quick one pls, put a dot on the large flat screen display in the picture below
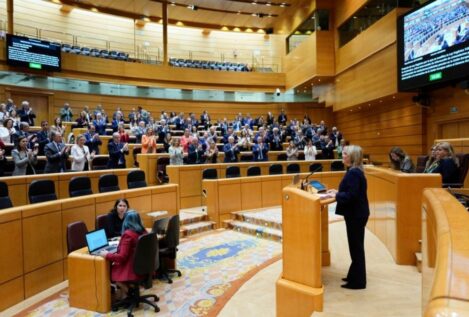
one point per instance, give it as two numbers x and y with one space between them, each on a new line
33 53
432 43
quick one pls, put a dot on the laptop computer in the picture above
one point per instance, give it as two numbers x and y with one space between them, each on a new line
97 242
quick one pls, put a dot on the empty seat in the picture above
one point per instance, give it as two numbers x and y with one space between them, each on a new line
5 201
421 161
108 183
136 179
282 157
79 186
254 171
101 221
76 236
100 162
209 173
293 168
232 171
337 166
275 169
41 190
315 167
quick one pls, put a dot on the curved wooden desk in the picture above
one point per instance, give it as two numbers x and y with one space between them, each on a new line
34 248
445 255
395 209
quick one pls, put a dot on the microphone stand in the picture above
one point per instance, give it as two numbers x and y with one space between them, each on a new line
305 181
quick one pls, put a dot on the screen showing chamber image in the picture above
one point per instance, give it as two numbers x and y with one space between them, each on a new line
433 44
33 53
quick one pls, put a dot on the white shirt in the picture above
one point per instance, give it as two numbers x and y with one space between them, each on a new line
310 153
79 157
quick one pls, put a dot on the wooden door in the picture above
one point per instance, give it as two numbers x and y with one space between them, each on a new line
38 102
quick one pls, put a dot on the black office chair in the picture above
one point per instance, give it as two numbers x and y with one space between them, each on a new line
80 186
160 226
254 171
76 236
136 179
168 249
232 171
210 173
146 262
41 190
108 183
101 221
100 163
337 166
275 169
293 168
5 201
315 167
282 157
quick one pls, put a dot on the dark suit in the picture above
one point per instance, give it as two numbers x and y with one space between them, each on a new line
55 159
352 203
116 155
194 155
92 143
449 171
42 139
231 153
260 154
26 117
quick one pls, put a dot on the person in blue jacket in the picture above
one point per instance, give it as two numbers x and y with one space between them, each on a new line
352 203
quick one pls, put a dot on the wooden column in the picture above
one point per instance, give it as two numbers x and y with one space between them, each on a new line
165 32
10 16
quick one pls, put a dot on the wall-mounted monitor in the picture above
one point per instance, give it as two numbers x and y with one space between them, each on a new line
33 53
432 44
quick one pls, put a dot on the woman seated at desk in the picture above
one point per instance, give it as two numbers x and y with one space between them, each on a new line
446 163
400 161
115 218
122 269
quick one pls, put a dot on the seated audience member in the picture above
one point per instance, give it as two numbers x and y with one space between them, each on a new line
149 141
93 140
58 127
56 153
292 151
24 158
123 260
117 152
231 151
212 152
448 164
195 152
83 120
125 138
186 139
3 158
100 124
8 124
66 113
43 136
432 162
81 155
400 161
340 148
327 148
260 151
26 113
176 153
310 151
115 218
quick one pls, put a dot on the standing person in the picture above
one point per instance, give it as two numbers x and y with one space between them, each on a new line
56 153
58 126
176 153
123 260
231 151
310 151
212 152
81 156
43 136
24 158
117 152
26 113
352 203
149 141
400 161
260 151
292 151
115 218
66 113
93 141
8 124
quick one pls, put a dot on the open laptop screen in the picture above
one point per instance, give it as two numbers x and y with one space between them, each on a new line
96 240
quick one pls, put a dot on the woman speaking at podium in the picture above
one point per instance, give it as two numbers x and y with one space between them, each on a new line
352 203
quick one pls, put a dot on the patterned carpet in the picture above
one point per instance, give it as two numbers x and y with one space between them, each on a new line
210 266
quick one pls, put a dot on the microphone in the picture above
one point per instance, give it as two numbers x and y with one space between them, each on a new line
305 181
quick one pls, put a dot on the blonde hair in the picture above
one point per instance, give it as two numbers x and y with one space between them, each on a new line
446 146
355 153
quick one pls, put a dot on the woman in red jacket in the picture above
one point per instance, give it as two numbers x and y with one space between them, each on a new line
122 269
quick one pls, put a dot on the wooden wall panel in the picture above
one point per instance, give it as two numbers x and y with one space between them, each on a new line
11 265
345 9
382 126
43 278
11 293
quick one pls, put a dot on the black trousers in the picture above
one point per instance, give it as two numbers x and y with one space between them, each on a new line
356 244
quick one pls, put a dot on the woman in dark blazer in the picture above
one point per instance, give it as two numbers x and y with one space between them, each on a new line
123 260
115 218
447 164
352 203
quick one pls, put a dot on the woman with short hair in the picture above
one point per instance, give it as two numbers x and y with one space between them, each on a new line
81 156
352 203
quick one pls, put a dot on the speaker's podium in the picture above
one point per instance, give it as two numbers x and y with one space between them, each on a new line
299 289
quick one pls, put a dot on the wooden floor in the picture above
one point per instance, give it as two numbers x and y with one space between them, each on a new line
393 290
